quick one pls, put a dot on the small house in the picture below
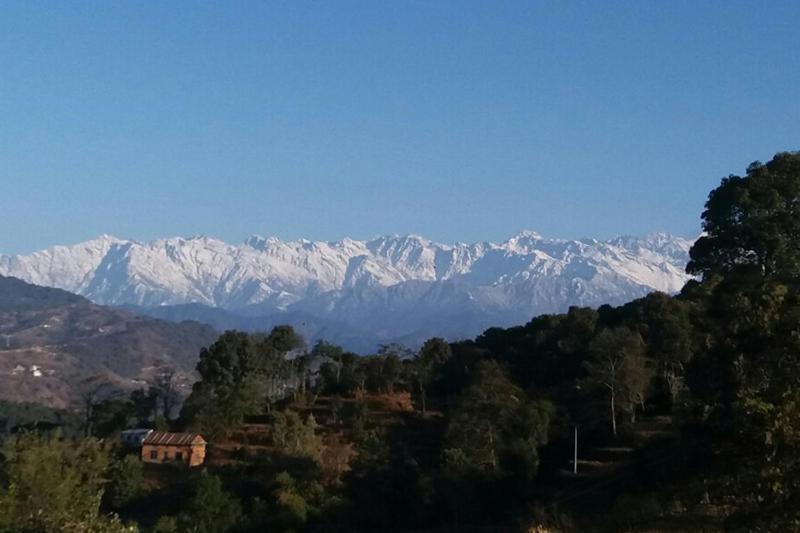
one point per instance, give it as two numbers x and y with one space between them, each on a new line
134 437
166 447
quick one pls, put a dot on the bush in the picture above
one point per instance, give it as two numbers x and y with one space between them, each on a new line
125 482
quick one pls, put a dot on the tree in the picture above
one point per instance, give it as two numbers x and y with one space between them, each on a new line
55 485
165 389
111 416
296 437
125 480
143 406
335 405
227 388
240 374
383 485
302 368
340 372
665 325
274 366
284 339
330 353
383 371
636 376
746 378
752 223
335 460
491 446
395 349
352 376
432 356
92 391
495 425
612 355
211 509
391 371
292 504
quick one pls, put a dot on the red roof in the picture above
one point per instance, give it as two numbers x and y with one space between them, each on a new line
165 438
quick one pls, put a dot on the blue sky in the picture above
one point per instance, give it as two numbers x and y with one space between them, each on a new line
461 121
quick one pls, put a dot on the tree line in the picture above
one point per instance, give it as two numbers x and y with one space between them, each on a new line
480 429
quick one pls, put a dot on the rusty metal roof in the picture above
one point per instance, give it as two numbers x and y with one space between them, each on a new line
165 438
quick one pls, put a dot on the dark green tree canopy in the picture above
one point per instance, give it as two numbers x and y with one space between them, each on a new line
495 424
238 375
752 223
435 352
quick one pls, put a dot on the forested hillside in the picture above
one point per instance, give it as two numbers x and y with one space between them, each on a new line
685 407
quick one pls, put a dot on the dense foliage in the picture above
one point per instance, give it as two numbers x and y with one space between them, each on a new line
694 397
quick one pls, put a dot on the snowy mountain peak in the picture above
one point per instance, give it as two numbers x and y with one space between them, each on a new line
397 284
523 242
105 237
527 234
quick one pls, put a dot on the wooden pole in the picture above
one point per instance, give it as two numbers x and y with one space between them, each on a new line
575 452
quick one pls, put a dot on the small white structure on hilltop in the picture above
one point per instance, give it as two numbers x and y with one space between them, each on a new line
134 437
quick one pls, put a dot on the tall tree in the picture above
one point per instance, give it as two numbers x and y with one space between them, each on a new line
327 352
228 387
665 325
165 388
612 354
91 392
494 425
240 374
752 223
636 377
432 356
144 406
112 416
746 379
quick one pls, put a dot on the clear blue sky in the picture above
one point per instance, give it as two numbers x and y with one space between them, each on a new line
461 121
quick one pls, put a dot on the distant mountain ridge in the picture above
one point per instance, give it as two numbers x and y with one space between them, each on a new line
52 342
390 288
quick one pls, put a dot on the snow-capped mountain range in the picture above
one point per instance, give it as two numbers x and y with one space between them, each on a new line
389 288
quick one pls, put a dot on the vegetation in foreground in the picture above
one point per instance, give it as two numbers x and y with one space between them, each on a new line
686 409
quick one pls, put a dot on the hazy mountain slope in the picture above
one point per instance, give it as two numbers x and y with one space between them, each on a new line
52 341
309 326
17 295
387 288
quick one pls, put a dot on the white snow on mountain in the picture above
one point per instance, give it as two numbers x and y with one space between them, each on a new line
398 285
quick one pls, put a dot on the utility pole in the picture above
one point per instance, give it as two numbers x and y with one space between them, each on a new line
575 452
